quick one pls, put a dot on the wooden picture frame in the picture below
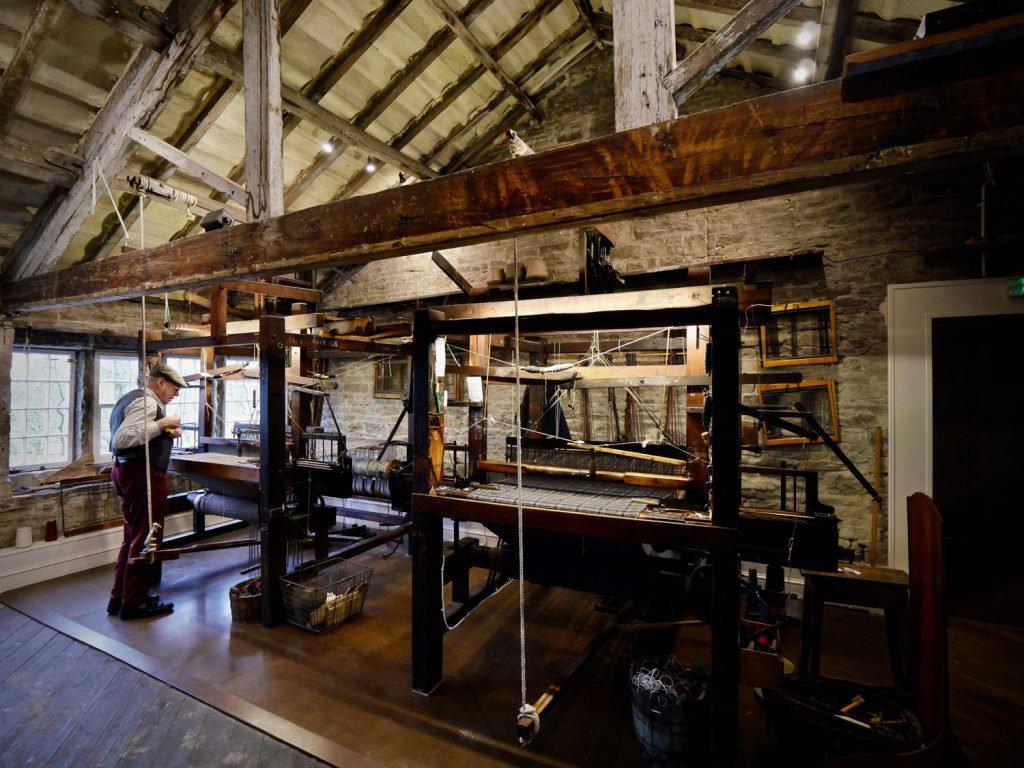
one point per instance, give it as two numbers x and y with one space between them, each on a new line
391 378
800 333
817 396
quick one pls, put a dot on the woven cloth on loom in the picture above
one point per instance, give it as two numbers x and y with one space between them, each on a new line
573 496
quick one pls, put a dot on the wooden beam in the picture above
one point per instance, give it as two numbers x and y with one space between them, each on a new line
142 24
188 166
484 56
264 163
229 65
21 160
701 65
645 52
453 274
135 99
800 139
22 62
293 292
833 38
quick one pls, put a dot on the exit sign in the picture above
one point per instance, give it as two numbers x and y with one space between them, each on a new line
1015 287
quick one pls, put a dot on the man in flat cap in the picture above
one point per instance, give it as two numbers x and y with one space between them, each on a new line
139 418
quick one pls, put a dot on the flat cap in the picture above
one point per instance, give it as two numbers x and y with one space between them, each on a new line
165 371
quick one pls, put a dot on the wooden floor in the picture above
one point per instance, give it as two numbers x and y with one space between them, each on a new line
64 703
344 697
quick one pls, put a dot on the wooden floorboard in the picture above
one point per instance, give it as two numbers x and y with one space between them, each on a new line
63 703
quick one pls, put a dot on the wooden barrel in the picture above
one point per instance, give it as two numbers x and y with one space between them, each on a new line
670 733
245 600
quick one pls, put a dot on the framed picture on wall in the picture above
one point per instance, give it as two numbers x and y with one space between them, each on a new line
391 377
799 333
818 397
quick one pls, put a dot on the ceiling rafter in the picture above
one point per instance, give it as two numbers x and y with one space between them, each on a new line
136 97
723 45
484 56
523 27
497 131
833 37
228 64
19 69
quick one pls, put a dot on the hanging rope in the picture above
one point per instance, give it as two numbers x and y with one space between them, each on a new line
528 719
154 528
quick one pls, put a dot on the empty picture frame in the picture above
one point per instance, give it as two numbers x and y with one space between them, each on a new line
799 333
391 377
817 396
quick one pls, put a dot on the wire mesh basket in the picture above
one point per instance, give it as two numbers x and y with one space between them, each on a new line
321 596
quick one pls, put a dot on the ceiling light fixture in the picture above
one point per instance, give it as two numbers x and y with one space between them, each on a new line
371 164
808 34
328 147
803 71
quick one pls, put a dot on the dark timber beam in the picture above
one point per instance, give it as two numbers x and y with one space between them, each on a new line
796 140
833 37
142 24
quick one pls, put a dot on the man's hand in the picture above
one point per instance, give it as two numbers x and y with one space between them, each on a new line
170 424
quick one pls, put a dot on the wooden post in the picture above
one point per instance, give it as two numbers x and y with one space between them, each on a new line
264 166
426 541
479 352
273 525
876 510
725 500
645 51
6 354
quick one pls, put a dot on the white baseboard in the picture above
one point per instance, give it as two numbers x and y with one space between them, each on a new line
45 560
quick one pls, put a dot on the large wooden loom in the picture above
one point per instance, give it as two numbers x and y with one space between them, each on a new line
286 346
717 308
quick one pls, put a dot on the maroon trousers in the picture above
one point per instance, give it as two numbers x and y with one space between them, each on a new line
132 580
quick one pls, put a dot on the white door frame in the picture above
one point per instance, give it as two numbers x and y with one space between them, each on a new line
912 307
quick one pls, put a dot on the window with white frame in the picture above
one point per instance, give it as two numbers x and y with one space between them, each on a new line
41 407
186 404
241 398
116 375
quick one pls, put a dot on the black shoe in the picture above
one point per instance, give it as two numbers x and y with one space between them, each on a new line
146 610
114 604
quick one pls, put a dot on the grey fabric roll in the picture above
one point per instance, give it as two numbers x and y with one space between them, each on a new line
210 503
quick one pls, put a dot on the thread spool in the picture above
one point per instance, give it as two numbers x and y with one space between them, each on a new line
536 269
23 537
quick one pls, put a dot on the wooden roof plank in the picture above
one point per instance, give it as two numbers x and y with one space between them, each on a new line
19 69
484 56
188 166
800 139
142 24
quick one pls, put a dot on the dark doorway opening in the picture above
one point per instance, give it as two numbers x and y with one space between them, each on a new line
978 463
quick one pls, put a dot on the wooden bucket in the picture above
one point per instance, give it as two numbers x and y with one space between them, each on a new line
245 598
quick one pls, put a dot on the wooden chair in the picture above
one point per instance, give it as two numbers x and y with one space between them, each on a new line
930 672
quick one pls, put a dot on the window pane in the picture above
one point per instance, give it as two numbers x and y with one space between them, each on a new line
58 422
17 395
106 368
38 367
127 370
34 451
17 425
35 396
56 449
60 368
122 388
59 394
35 421
17 452
18 366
